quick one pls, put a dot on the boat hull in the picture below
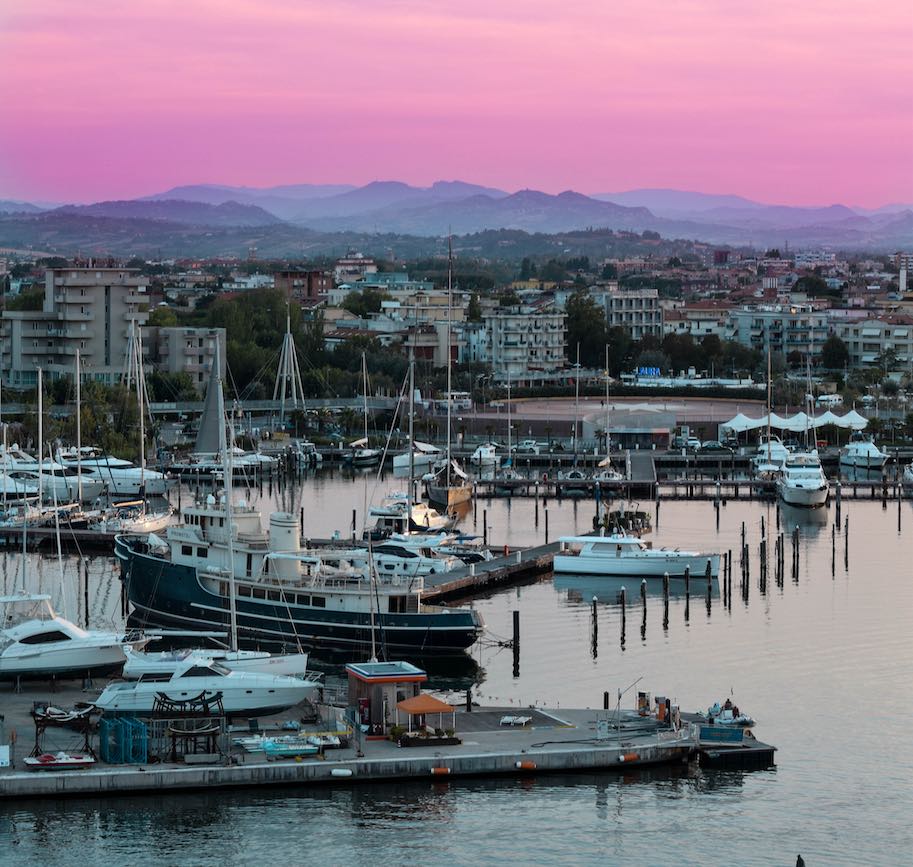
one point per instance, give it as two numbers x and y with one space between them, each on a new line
167 594
66 662
808 498
441 495
637 567
235 699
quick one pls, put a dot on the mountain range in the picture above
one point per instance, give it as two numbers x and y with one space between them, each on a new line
462 208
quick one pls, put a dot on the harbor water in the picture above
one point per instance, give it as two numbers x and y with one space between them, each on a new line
823 663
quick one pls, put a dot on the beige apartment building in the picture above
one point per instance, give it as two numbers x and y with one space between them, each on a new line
185 350
89 309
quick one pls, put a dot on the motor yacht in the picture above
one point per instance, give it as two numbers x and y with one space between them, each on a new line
862 452
119 476
769 457
35 642
395 514
802 482
166 662
620 555
58 482
241 692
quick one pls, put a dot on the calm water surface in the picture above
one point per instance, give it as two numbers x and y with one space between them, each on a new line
824 664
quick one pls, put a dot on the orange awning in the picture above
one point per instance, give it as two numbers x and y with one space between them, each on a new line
424 703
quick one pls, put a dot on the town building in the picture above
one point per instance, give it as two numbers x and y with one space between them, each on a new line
873 340
89 309
174 349
354 266
782 328
524 339
304 285
635 310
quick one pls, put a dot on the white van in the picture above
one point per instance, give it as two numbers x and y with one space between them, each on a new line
829 401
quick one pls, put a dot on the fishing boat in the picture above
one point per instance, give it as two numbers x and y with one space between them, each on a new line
862 452
241 692
36 642
620 555
59 761
802 482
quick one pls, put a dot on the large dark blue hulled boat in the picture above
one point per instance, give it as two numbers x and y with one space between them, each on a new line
283 595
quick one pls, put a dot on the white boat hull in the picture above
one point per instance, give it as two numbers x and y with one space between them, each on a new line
48 660
653 566
421 461
288 665
808 498
866 462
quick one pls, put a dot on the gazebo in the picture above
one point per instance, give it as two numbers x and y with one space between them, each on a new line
423 704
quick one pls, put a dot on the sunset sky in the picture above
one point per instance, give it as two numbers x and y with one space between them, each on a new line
794 102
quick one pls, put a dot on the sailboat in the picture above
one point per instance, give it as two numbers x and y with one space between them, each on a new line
364 456
233 658
605 472
448 486
575 479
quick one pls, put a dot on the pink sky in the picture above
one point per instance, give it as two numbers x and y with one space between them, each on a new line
805 102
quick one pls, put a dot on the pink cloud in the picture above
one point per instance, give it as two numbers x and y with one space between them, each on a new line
796 103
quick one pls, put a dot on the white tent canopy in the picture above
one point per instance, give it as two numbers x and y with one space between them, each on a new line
798 422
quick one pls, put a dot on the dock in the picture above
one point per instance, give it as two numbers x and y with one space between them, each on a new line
45 539
494 741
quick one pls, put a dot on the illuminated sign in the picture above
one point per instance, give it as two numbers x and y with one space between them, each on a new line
649 371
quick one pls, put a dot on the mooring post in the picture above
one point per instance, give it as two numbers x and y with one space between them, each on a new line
623 601
833 550
545 512
605 701
516 643
354 524
485 527
846 543
665 600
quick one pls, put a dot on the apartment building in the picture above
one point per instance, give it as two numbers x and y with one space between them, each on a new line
870 340
635 310
89 309
699 319
185 350
524 339
782 328
304 285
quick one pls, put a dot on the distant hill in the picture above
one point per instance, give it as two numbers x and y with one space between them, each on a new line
177 211
662 201
281 201
529 210
8 206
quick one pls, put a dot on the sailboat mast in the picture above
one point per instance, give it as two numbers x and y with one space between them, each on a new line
411 437
140 388
449 327
576 403
364 373
78 430
768 405
608 444
40 435
509 453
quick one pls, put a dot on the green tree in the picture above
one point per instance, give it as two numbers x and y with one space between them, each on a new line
586 325
164 317
364 302
31 299
609 271
474 308
815 287
834 353
527 269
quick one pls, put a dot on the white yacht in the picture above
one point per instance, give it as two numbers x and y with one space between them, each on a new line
770 456
623 556
17 488
907 478
862 452
486 455
424 456
130 517
396 515
166 662
802 482
35 642
119 476
57 481
242 692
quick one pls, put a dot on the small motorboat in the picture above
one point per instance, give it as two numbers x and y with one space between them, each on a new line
727 714
61 761
288 747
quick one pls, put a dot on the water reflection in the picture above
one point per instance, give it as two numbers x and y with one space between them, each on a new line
582 589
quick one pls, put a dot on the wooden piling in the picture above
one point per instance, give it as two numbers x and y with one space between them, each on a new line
485 527
665 600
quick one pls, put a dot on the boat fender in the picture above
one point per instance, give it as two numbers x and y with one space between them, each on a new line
629 757
341 772
526 766
440 772
545 477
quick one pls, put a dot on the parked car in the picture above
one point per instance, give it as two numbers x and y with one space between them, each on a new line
529 447
715 446
693 444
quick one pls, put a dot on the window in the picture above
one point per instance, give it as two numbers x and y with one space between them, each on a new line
274 595
201 671
243 590
45 637
318 601
259 593
187 550
300 599
202 552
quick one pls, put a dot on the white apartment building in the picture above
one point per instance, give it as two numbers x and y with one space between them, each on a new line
698 320
524 339
635 310
89 309
868 339
782 328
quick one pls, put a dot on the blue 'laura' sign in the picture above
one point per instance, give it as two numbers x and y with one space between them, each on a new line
648 371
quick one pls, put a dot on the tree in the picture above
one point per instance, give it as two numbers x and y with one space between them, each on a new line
363 303
164 317
586 325
32 299
474 308
527 269
553 271
609 271
834 353
815 287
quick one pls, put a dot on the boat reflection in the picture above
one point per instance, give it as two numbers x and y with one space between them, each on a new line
582 589
809 521
861 475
